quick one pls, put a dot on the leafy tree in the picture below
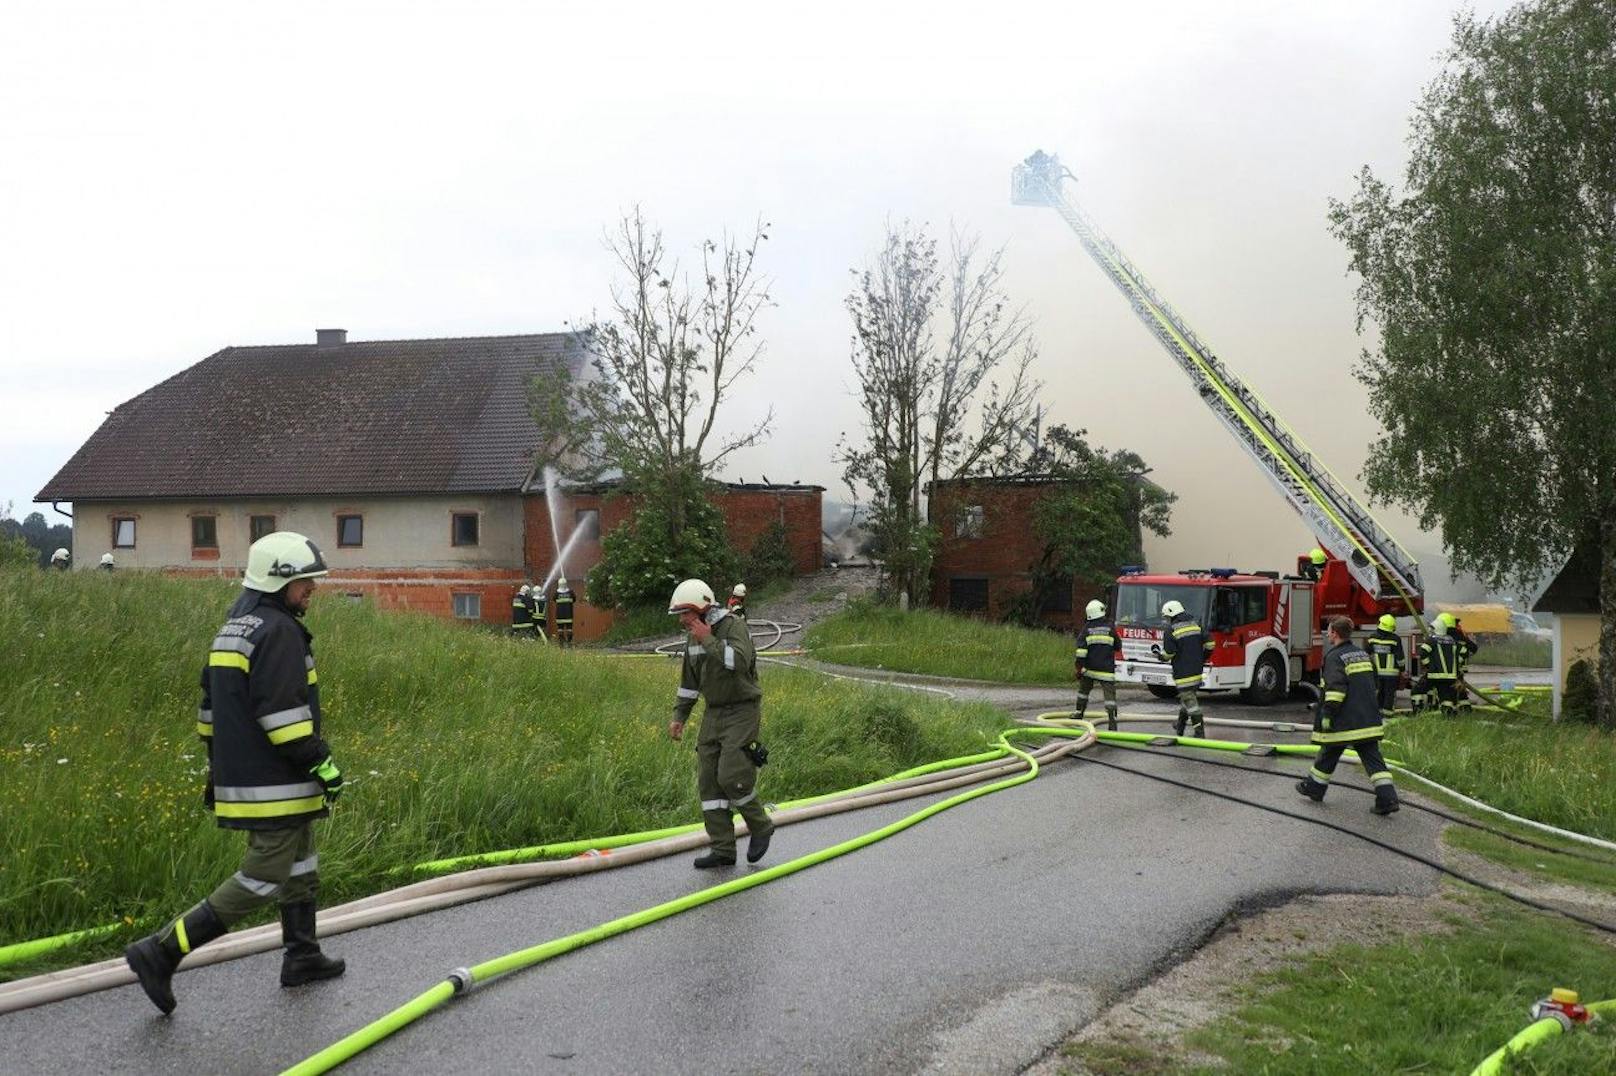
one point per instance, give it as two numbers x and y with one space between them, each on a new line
930 347
662 363
639 567
1492 280
769 558
1091 525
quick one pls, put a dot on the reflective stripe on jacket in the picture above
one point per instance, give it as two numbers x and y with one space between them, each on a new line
1386 651
1440 658
1097 649
1349 708
723 670
1187 646
260 716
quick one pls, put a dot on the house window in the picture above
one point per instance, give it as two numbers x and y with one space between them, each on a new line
970 523
204 532
350 531
463 528
968 594
123 532
586 521
258 526
468 606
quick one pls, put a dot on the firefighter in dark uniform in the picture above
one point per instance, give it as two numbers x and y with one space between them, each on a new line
737 601
1347 716
1464 648
1313 567
1439 657
270 773
563 607
720 665
539 609
522 613
1187 647
1097 662
1386 651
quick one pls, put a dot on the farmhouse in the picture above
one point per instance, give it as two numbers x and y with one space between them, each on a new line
413 464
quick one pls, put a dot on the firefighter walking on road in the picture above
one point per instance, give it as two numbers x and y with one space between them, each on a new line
563 610
1347 716
1439 657
1386 651
269 773
1097 662
720 665
1187 647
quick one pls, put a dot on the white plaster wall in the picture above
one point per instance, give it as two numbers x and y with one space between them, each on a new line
399 532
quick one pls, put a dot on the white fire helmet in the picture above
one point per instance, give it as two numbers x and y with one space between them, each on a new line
692 595
278 558
1095 609
1172 609
740 590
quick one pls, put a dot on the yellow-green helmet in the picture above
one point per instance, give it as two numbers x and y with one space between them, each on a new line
1318 556
280 557
1388 622
1447 620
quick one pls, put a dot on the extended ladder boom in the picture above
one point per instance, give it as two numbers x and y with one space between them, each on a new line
1343 526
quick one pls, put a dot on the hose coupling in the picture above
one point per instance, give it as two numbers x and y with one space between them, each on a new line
462 980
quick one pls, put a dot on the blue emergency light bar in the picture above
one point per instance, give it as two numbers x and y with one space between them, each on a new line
1133 569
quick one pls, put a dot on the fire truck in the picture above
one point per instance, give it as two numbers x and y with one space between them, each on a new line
1267 627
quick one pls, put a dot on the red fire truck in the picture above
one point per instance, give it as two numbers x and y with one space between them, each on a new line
1267 628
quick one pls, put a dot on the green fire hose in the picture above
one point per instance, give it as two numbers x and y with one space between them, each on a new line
1537 1032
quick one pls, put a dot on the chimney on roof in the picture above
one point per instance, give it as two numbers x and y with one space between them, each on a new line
330 337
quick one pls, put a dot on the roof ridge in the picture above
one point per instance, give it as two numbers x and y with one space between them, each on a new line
401 340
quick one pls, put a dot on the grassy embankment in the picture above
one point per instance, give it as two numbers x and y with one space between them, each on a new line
941 644
1438 1003
1516 653
453 742
653 622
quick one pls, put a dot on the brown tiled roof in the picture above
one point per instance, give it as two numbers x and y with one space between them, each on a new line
375 416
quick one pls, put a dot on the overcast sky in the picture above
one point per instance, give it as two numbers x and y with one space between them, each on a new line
176 178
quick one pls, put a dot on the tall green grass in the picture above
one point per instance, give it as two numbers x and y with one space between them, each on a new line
942 644
1516 652
1560 773
453 741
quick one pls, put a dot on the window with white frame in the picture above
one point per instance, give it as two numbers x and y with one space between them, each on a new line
468 606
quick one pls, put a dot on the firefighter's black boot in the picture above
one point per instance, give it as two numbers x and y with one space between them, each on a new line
1183 719
1111 718
757 845
1385 800
711 860
1311 789
304 963
1199 729
154 958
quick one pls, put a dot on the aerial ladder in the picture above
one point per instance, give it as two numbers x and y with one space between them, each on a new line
1345 529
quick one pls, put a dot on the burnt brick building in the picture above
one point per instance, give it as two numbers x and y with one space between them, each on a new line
988 547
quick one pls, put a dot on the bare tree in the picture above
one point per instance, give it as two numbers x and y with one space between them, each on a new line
942 362
663 362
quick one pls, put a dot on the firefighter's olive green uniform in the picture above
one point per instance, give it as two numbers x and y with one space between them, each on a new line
521 616
1188 648
563 611
1348 715
1097 664
723 670
1386 651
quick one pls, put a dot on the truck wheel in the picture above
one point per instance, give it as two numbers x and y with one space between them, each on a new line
1162 692
1267 681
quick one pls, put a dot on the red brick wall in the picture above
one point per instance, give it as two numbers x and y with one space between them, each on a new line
421 590
747 513
1006 551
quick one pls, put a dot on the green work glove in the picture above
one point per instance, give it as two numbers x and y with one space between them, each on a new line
329 776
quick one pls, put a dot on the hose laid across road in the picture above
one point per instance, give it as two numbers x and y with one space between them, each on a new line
601 853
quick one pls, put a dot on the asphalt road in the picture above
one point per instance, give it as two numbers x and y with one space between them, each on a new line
971 943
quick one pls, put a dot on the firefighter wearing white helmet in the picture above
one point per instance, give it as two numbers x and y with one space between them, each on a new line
1186 647
269 771
107 563
720 665
61 560
1097 661
522 612
737 601
540 608
563 606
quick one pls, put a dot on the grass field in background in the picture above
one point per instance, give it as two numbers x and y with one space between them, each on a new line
942 644
1556 772
453 741
1516 652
